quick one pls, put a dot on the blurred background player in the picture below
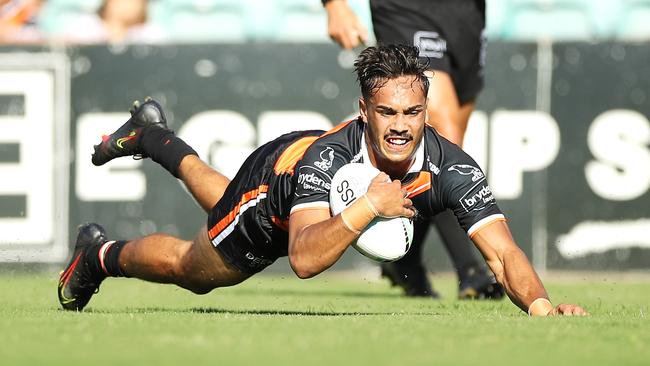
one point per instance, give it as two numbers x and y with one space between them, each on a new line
450 37
18 21
116 21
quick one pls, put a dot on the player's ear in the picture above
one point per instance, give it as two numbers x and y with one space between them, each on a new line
363 110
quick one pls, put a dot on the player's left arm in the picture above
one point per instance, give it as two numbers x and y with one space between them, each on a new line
464 189
515 273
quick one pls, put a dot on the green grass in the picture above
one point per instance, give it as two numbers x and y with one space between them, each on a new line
329 320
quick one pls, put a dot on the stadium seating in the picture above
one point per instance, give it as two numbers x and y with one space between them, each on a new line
305 20
205 20
562 20
635 23
57 13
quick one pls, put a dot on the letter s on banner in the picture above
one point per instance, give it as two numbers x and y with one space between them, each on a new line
619 141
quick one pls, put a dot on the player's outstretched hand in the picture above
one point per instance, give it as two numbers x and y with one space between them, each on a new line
569 310
343 26
388 197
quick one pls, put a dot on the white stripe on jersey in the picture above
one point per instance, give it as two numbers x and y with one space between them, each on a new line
317 204
484 221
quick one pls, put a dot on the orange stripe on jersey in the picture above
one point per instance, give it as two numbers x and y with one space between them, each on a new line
339 127
282 224
421 183
290 156
245 198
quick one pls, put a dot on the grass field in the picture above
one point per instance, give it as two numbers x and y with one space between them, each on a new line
334 319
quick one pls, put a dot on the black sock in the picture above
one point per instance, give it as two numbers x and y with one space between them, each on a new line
457 242
163 147
107 257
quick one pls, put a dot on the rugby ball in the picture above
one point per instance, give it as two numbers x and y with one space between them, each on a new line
383 240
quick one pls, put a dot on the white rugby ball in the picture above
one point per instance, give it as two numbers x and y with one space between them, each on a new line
383 239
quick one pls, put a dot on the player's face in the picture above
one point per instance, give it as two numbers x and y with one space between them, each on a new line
395 117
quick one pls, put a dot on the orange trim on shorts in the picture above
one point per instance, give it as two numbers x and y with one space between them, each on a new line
230 217
485 225
290 156
421 184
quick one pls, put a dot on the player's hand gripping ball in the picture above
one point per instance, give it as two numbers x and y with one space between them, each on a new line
384 239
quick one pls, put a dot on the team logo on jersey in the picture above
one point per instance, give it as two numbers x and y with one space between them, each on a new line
477 198
464 169
430 44
326 159
312 179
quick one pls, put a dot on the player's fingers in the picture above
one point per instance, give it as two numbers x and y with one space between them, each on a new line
560 310
338 37
380 178
408 212
345 43
578 311
363 35
353 39
407 202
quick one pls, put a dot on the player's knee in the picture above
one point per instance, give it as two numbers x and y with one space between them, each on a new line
197 285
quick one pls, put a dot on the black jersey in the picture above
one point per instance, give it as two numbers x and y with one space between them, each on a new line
249 225
442 176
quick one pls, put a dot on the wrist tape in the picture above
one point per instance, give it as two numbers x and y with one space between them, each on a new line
359 214
540 307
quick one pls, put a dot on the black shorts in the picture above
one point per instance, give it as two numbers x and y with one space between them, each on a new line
249 225
449 33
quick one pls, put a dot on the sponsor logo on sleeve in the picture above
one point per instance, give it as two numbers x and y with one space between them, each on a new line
464 169
312 179
477 198
430 44
326 159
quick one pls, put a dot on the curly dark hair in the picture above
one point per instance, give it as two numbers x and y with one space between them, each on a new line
376 65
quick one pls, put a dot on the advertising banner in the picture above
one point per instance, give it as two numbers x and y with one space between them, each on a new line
561 130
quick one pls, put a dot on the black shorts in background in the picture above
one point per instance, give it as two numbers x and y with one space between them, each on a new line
449 33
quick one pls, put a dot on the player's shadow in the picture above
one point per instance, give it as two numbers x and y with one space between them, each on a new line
259 312
315 293
211 310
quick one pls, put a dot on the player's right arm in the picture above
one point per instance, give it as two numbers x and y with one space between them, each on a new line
343 26
317 240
